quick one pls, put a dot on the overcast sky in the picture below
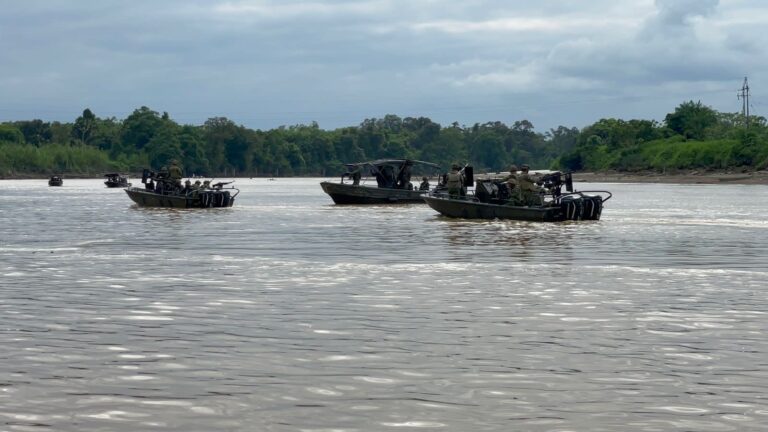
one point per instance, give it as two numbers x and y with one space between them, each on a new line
266 63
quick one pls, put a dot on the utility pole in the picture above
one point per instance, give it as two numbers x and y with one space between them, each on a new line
743 94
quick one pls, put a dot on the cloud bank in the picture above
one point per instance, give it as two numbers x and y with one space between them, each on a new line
269 63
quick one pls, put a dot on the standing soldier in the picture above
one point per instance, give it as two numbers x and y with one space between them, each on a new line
454 182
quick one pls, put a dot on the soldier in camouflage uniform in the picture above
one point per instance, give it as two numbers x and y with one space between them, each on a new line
528 189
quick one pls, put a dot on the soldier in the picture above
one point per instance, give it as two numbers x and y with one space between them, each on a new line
454 182
354 174
206 185
511 178
512 184
174 173
528 188
404 176
424 186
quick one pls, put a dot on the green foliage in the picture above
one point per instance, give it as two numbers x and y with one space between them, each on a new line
10 134
691 120
35 132
84 127
53 158
674 153
693 137
139 128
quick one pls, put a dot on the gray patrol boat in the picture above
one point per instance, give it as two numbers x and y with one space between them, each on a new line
492 199
160 191
392 182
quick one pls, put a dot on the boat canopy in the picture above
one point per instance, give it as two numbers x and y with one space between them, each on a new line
394 162
113 175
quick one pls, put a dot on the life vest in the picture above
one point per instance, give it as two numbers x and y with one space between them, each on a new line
454 180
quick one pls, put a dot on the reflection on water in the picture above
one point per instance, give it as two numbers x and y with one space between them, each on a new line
288 313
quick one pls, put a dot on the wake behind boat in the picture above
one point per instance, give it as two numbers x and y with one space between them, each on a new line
495 199
392 182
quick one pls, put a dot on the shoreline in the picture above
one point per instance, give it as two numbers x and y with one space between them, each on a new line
691 177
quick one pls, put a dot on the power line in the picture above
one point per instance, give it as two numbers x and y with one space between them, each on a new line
744 96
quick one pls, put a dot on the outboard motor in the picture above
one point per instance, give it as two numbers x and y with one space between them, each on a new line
593 207
572 207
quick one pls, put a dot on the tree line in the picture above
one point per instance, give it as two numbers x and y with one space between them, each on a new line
694 136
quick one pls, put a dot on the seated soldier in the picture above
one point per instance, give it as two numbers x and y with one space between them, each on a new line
529 190
424 186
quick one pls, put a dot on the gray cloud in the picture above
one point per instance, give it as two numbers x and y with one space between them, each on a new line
267 63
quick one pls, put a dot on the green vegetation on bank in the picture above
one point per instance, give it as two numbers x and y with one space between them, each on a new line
694 136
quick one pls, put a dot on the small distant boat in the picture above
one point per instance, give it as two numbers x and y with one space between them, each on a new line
160 191
56 180
393 182
491 200
115 180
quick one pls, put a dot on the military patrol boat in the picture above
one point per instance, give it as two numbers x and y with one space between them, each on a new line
161 191
393 182
493 199
55 180
115 180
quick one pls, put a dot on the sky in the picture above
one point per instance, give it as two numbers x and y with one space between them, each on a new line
269 63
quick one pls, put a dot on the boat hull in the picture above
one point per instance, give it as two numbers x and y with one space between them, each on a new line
342 193
145 198
468 209
110 184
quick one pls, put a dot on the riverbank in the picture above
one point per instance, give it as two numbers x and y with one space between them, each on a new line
689 177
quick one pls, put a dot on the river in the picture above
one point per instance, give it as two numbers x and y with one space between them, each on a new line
289 313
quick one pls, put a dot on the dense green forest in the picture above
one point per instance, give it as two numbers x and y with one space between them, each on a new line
693 136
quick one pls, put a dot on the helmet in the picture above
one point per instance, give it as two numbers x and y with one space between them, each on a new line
174 161
424 178
512 168
455 166
525 167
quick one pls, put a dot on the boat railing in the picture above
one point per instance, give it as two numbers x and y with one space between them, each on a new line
582 194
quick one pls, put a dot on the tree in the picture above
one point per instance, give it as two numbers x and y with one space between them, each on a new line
447 149
139 127
194 160
35 132
84 126
691 120
486 148
164 145
10 134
